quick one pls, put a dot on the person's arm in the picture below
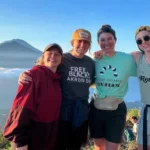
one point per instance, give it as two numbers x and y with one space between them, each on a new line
92 85
132 67
136 56
21 114
22 148
98 54
93 76
25 77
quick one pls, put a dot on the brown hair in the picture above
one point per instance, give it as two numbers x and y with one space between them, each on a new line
134 117
106 29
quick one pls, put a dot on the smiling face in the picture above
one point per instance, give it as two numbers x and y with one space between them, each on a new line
107 42
52 58
143 41
80 47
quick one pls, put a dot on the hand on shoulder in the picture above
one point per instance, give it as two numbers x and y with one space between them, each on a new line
98 54
24 78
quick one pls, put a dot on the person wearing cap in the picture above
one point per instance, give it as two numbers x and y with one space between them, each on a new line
142 37
33 119
77 71
108 111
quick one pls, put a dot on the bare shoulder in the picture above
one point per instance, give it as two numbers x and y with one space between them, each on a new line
136 55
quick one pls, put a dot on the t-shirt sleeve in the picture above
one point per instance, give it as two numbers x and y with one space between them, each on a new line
133 67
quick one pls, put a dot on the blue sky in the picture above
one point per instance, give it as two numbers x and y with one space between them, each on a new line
40 22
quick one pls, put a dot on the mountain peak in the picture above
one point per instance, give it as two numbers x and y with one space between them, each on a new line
20 41
17 53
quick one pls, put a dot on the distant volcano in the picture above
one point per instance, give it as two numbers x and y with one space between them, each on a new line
17 53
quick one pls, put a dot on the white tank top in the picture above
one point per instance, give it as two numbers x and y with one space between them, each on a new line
143 73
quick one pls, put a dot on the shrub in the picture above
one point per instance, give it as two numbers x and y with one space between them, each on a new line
133 112
4 144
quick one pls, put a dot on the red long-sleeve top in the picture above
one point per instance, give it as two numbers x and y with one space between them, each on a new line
34 114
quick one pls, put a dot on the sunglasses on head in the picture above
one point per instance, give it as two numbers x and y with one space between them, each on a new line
145 38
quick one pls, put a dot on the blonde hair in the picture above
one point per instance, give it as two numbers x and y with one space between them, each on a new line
40 61
142 28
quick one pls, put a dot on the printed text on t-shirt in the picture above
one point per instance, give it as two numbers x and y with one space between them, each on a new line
79 74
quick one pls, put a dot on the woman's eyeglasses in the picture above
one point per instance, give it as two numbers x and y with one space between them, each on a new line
145 38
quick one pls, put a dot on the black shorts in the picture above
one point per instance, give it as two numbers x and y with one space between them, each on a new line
107 124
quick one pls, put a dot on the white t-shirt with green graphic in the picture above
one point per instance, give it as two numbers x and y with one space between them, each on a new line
112 74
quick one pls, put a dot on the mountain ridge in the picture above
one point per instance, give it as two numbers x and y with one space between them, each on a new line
17 53
19 41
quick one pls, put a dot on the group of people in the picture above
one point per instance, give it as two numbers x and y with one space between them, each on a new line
51 109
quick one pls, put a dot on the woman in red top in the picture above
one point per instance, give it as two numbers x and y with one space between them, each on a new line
33 118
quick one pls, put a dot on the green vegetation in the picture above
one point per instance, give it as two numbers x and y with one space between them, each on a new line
133 112
4 144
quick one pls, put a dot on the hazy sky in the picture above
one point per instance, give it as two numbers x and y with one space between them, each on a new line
40 22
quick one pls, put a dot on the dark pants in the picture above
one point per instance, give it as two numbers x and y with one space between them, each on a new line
69 138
